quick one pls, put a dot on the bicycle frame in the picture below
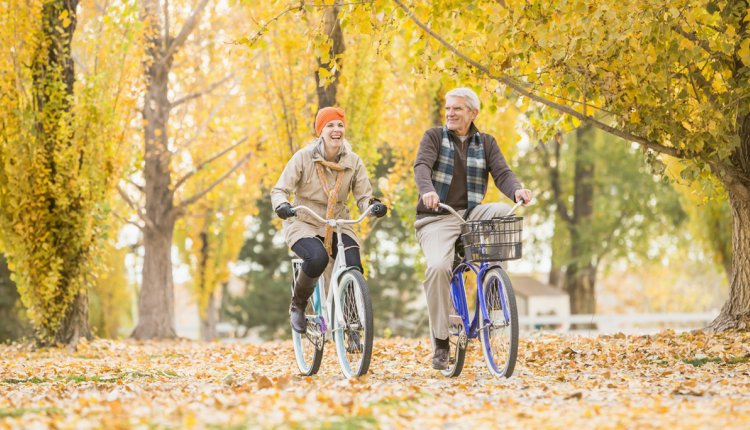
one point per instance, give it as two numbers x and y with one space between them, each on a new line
322 303
458 294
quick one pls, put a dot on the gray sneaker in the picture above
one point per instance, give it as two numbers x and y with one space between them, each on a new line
440 359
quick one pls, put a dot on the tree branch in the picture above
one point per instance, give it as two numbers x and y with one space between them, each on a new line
200 166
138 186
204 125
520 89
200 93
127 221
693 37
188 28
195 197
166 22
135 207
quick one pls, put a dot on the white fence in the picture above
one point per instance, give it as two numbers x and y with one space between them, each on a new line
625 323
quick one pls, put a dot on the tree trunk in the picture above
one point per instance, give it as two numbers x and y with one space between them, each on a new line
557 259
735 314
156 299
52 67
76 322
327 93
580 276
210 317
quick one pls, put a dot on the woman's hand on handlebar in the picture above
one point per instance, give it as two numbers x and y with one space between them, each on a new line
285 211
378 208
524 195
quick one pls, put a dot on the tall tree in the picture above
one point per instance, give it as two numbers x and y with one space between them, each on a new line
265 301
673 78
331 56
63 131
607 202
14 324
160 210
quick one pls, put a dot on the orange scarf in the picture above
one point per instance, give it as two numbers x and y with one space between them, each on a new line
332 194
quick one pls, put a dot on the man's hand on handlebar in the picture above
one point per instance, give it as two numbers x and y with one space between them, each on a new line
523 195
431 200
285 210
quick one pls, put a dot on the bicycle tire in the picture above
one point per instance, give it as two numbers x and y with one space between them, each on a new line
308 347
499 337
353 339
456 352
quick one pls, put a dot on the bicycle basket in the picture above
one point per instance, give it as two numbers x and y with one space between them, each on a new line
496 239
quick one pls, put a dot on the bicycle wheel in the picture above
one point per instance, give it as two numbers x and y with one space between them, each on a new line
353 338
308 347
457 347
499 336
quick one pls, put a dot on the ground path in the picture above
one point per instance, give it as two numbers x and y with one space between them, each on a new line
690 380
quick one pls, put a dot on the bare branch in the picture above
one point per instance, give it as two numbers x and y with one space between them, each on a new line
205 91
138 186
520 89
135 207
181 207
252 39
204 125
127 221
200 166
166 21
187 28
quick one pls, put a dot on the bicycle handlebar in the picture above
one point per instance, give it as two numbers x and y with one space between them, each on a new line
454 213
335 222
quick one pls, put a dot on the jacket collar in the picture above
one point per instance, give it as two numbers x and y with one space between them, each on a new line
346 158
472 131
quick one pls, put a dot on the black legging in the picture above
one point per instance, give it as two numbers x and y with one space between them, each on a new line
315 258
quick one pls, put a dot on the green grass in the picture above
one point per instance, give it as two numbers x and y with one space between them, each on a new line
350 423
32 380
698 362
15 413
95 378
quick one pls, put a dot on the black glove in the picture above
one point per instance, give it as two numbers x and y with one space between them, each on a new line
378 209
285 211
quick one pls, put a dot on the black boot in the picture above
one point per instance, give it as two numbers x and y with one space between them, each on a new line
303 289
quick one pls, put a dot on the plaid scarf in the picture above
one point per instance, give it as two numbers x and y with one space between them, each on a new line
476 170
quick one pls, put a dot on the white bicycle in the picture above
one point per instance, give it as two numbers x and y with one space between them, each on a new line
346 314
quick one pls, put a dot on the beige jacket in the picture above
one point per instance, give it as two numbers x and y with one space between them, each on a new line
300 179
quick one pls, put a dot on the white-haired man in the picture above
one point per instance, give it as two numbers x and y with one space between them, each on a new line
452 167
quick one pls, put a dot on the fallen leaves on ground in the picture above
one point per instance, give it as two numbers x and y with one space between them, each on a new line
688 380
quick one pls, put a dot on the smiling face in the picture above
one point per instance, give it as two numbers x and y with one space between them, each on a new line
333 135
458 116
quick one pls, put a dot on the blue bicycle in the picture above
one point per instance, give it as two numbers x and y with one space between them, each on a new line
486 243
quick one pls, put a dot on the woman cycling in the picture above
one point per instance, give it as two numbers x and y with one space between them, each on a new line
320 176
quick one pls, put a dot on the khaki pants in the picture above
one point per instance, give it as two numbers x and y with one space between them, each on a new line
437 236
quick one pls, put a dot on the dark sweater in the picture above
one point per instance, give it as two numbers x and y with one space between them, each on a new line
429 149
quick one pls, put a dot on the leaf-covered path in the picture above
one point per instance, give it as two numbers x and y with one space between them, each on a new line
663 381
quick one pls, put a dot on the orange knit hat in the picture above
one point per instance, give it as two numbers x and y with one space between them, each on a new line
326 115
